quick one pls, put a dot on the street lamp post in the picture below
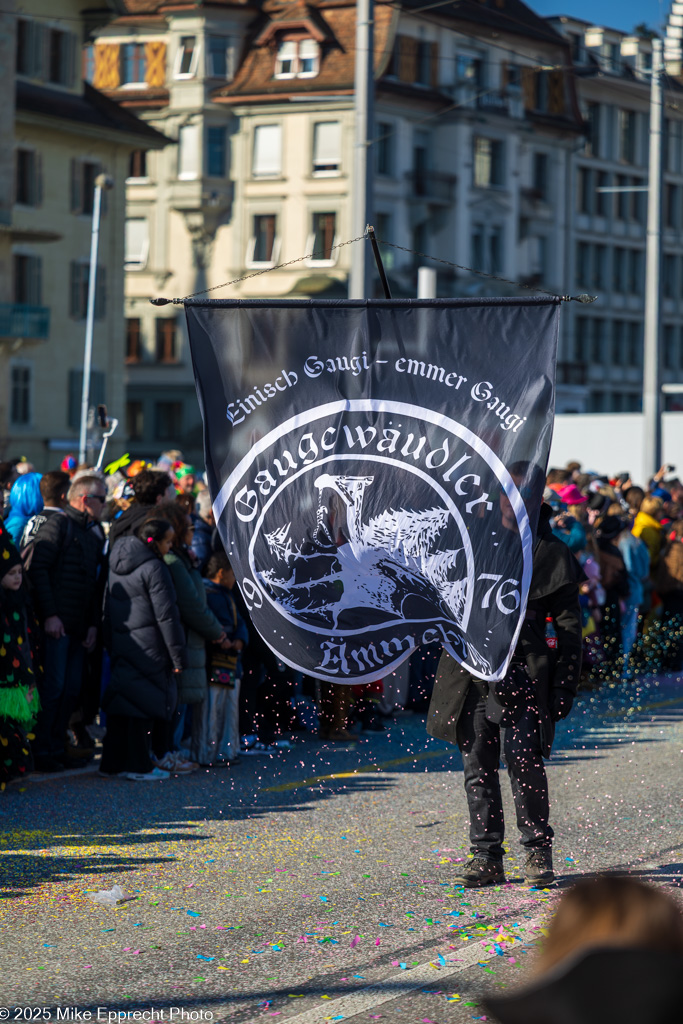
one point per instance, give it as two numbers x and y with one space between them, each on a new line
102 182
652 392
361 192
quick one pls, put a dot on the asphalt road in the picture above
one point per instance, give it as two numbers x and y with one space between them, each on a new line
314 886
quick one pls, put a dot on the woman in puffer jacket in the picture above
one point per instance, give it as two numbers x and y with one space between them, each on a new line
147 651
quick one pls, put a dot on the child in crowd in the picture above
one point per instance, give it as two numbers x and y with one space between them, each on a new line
217 739
19 701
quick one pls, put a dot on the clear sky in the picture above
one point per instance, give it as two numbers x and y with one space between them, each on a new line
621 14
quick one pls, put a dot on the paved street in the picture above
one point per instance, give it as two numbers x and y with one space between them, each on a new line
314 886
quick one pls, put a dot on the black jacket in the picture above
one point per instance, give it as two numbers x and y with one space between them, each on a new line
599 986
554 592
146 639
128 522
66 571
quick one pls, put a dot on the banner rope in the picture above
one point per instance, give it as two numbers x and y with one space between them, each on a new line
436 259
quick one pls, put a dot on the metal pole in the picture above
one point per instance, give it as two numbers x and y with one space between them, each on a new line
361 195
101 182
652 395
378 260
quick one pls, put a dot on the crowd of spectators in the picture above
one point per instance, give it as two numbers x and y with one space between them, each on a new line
122 622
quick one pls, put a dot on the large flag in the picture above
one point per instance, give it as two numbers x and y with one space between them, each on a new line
376 470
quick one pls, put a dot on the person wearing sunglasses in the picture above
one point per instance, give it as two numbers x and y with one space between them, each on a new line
67 580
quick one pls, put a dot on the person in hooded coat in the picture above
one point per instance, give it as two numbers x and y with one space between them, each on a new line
147 645
518 714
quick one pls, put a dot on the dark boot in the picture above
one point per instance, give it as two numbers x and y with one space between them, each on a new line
480 871
538 868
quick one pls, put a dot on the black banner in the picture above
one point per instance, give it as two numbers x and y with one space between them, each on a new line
376 470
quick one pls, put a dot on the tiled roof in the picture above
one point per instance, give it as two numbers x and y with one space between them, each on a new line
91 108
496 15
255 75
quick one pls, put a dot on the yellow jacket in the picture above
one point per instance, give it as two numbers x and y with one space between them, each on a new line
649 530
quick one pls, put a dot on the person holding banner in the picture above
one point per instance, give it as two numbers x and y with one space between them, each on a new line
516 716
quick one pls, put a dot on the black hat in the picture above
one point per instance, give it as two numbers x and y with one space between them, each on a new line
597 501
9 556
613 985
611 527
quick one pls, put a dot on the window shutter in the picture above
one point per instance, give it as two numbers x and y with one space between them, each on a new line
107 66
155 65
189 151
407 60
327 144
504 75
69 59
38 41
555 92
267 149
434 65
529 88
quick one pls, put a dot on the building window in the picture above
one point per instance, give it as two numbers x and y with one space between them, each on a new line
309 58
27 279
30 48
584 190
215 152
133 340
488 162
635 272
602 197
540 175
168 418
384 148
83 175
323 237
669 275
581 331
671 206
80 278
88 63
263 241
189 150
627 136
133 64
384 234
478 247
327 140
28 178
21 394
637 201
599 277
583 265
135 420
186 60
619 271
424 63
597 348
219 61
61 57
635 343
618 327
166 350
136 243
622 197
267 160
297 59
137 165
668 346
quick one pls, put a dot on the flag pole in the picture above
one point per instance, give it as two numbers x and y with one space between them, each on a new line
378 260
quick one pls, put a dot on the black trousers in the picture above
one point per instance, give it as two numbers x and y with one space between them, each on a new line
480 743
126 746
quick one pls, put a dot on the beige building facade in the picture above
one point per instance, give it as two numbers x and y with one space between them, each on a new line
63 134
